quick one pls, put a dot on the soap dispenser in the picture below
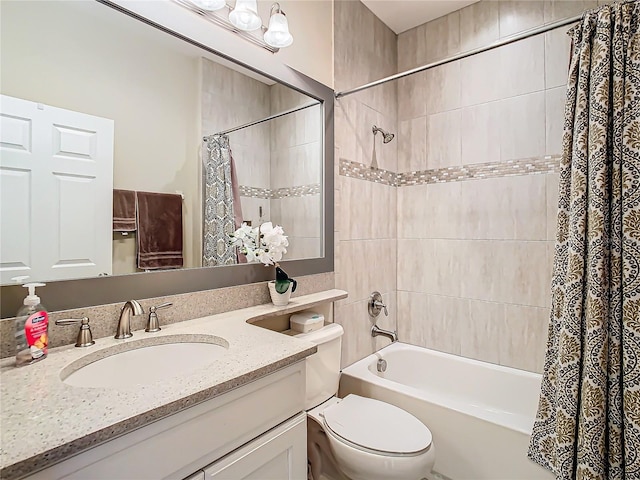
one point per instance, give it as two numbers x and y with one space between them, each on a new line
32 328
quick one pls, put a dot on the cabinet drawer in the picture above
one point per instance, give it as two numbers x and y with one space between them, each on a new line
280 454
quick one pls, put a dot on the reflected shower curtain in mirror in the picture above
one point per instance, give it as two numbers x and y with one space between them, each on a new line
222 208
588 422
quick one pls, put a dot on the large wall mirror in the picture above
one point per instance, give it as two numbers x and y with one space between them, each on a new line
128 156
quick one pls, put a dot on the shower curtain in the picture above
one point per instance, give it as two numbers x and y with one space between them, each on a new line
588 422
222 208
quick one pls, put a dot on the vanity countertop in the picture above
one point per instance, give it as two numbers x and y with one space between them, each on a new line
45 420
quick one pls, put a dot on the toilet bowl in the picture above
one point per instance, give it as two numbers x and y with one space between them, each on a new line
373 440
357 438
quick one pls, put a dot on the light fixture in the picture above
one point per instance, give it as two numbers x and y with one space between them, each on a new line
243 20
245 15
278 35
209 5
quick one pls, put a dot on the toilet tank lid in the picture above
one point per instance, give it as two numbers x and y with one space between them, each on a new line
377 425
323 335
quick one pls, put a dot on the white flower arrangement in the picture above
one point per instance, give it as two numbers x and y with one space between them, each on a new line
266 244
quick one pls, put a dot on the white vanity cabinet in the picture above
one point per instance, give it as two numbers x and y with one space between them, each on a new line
256 431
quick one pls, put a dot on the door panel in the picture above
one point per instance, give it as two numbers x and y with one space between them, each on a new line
66 222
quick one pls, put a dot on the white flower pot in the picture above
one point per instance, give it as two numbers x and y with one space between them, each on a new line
279 299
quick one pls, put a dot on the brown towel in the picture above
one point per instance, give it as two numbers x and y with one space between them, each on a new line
124 211
159 230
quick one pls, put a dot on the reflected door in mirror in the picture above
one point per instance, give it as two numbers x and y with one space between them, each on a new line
56 173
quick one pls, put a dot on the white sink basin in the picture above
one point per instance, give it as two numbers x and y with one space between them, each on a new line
141 363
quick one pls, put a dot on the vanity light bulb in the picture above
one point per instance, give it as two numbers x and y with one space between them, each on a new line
278 35
209 5
245 15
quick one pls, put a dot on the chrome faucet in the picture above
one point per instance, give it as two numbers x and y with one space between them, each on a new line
375 331
124 322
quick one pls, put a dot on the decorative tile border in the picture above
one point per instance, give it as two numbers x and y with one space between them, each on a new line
268 193
371 174
509 168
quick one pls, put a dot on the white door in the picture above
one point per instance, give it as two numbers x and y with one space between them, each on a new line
280 454
56 184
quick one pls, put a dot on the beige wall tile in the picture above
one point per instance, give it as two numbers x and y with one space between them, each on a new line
384 210
505 208
412 145
482 269
555 100
552 182
559 9
345 128
411 310
357 342
412 211
479 25
442 212
523 273
412 96
517 16
481 78
480 133
523 337
407 48
381 266
444 144
361 210
413 255
522 132
441 323
443 88
443 37
444 273
480 331
522 67
557 50
354 278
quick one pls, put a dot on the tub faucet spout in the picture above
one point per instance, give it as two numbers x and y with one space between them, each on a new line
375 331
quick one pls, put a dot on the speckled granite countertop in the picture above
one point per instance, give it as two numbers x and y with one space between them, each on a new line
45 420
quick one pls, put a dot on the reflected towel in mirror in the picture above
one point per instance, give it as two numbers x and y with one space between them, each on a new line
124 211
159 235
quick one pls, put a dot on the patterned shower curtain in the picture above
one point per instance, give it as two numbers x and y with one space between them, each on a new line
222 211
588 422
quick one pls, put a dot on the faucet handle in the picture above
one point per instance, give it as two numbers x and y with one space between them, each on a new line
376 305
153 325
84 339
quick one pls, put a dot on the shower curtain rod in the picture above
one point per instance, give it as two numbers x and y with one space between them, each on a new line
459 56
257 122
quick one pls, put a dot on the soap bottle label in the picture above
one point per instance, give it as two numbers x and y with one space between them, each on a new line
35 330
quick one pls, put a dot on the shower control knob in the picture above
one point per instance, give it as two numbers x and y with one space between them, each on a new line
376 305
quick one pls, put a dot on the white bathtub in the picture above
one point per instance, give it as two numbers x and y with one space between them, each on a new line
480 414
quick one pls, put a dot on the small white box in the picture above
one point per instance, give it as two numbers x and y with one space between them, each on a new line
305 322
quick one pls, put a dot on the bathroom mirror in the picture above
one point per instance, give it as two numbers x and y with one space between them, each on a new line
127 105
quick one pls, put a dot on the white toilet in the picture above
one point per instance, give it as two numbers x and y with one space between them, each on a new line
355 437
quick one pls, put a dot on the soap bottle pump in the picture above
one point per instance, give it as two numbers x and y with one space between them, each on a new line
32 329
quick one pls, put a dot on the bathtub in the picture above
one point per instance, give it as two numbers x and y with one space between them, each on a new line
480 414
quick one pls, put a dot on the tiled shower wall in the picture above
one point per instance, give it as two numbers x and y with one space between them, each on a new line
476 255
365 259
455 222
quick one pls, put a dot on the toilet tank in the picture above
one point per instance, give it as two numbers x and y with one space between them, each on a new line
323 367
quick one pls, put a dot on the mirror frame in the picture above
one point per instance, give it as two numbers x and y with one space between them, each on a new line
85 292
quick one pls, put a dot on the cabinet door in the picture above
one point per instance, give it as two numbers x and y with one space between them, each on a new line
280 454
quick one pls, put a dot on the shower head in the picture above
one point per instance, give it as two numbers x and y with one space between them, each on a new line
386 136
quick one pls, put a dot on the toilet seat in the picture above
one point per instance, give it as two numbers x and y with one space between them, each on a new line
377 427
